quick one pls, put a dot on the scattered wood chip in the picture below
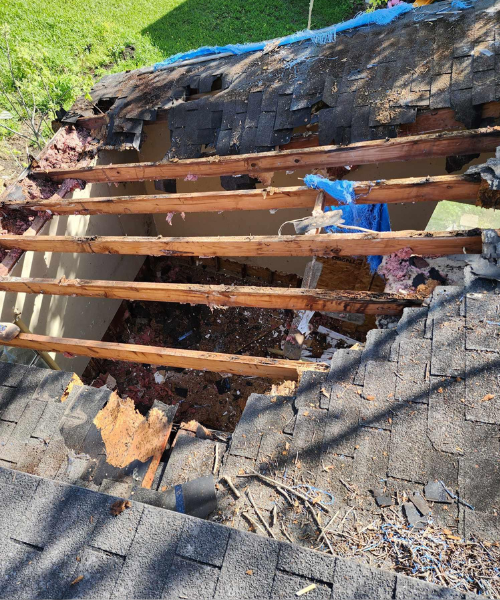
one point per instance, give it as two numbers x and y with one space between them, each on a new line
488 397
77 580
371 398
306 590
119 506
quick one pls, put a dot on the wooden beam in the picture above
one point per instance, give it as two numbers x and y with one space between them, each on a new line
439 243
412 189
389 150
217 295
168 357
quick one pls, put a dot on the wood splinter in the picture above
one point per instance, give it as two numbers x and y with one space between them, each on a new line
230 485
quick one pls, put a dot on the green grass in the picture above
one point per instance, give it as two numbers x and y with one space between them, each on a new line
60 47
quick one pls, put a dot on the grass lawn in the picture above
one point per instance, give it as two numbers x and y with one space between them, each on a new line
59 47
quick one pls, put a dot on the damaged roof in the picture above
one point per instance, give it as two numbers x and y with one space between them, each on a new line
362 86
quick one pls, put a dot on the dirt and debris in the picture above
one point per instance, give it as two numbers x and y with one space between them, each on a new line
127 435
405 272
119 506
215 400
401 536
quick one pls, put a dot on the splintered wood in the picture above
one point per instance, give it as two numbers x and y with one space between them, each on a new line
127 435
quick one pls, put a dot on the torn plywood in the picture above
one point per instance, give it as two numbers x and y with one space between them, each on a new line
127 435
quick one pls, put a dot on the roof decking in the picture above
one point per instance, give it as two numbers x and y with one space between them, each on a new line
362 86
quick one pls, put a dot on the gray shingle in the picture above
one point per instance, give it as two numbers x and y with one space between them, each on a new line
286 586
482 381
149 559
17 570
371 460
48 425
70 533
342 420
23 394
482 316
44 512
307 441
80 413
378 399
479 483
191 457
378 348
190 580
412 323
11 374
446 414
448 347
353 580
410 446
248 569
483 525
20 435
262 414
416 589
15 499
309 389
115 534
204 542
99 571
53 385
306 563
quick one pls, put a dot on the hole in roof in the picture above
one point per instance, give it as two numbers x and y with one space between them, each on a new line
216 84
103 105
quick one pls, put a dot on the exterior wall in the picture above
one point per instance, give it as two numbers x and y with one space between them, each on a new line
85 318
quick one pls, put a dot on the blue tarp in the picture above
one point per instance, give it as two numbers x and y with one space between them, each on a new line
368 216
382 16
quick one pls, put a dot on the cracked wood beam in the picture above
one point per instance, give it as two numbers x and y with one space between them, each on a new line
375 151
168 357
412 189
218 295
439 243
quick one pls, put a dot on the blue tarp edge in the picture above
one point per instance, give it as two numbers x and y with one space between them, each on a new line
382 16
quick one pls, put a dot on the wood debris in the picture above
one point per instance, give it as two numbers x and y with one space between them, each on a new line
119 506
127 435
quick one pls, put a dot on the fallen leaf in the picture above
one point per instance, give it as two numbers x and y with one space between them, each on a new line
488 397
119 506
370 398
440 390
249 572
77 580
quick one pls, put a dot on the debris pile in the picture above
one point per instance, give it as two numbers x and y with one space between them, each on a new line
403 537
407 272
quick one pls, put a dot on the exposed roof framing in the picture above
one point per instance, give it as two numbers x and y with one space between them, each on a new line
438 243
411 189
389 150
272 368
218 295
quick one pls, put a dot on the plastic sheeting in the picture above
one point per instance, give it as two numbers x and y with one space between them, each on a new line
368 216
383 16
